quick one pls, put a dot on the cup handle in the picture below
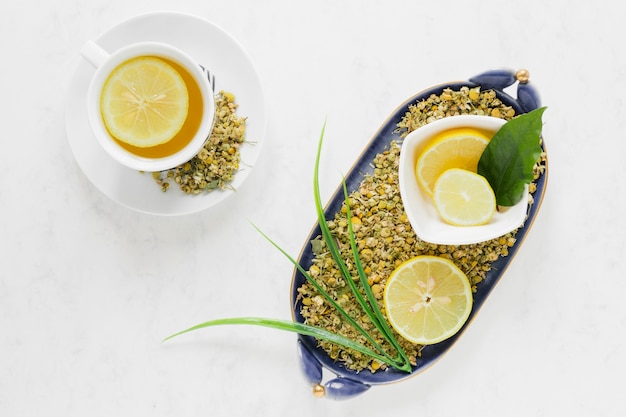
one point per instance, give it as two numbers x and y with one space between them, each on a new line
94 54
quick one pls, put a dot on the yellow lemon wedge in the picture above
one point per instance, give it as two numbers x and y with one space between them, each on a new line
453 148
427 299
144 102
464 198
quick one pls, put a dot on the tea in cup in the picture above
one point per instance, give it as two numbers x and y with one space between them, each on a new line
150 105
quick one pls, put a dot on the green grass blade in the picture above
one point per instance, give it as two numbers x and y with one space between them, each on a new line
328 298
289 326
376 319
380 322
328 238
370 306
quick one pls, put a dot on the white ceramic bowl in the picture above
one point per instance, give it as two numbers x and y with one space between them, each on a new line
418 205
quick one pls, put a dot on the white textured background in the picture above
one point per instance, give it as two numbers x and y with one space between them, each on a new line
89 288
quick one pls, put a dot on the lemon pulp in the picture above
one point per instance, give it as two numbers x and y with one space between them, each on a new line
464 198
453 148
144 102
427 299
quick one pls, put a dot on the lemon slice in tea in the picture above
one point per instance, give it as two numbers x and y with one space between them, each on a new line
454 148
464 198
144 102
427 299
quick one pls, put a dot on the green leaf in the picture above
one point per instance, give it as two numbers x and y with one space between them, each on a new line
329 299
290 326
508 160
371 309
376 316
330 239
400 362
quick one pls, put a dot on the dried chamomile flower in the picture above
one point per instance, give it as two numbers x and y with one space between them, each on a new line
215 166
384 235
453 103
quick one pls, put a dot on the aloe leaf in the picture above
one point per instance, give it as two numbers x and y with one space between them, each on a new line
289 326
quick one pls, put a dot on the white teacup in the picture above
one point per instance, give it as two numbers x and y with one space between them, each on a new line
105 63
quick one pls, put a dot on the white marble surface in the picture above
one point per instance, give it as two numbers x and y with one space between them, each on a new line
89 288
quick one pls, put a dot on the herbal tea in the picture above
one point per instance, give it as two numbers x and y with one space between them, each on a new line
151 106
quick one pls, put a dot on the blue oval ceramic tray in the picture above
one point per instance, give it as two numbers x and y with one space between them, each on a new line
348 383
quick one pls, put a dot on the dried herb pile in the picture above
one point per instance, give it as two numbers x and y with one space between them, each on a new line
215 166
384 235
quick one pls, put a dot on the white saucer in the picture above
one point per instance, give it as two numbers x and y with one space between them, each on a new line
222 56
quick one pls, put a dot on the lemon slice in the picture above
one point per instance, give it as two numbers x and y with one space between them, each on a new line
454 148
144 102
464 198
427 299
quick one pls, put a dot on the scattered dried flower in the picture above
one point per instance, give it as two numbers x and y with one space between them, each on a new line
384 236
215 166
